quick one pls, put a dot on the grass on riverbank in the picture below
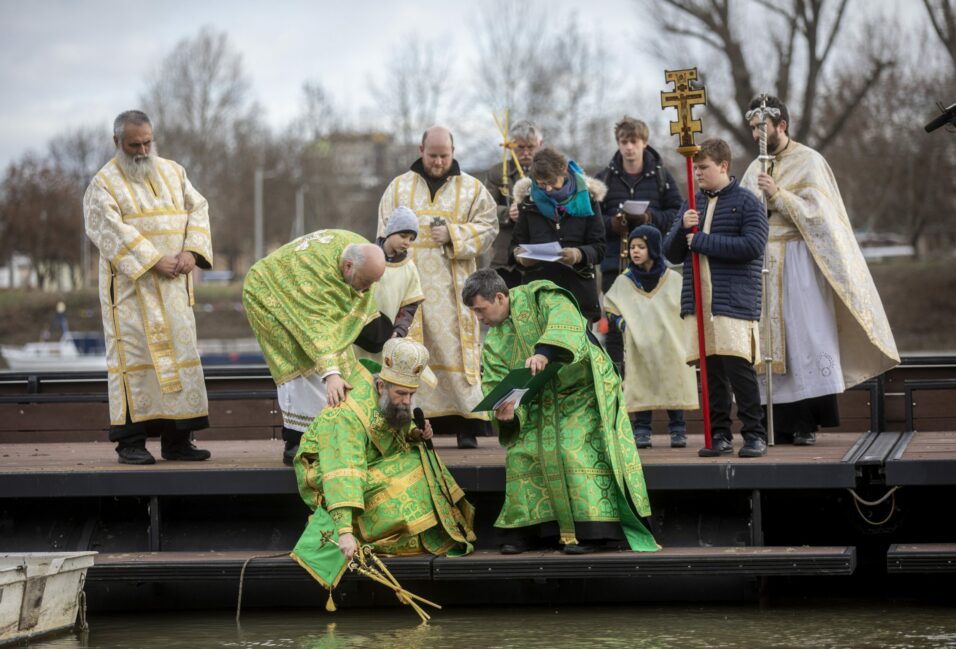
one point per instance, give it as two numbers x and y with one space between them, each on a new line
919 296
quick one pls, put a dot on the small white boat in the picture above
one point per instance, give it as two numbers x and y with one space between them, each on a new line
40 592
83 352
75 351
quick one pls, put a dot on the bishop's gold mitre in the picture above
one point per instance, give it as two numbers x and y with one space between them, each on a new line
403 362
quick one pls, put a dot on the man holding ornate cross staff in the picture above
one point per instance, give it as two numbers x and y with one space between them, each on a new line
722 285
684 98
827 328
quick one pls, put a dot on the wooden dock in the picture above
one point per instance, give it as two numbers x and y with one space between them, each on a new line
865 504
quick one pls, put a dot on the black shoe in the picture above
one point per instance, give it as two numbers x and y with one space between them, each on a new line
719 446
513 548
753 447
288 454
134 455
678 440
804 439
642 438
578 548
185 451
467 440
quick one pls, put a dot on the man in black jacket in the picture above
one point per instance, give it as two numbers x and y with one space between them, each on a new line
635 173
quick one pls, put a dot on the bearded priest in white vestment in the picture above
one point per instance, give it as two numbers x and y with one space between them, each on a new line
152 229
822 321
457 221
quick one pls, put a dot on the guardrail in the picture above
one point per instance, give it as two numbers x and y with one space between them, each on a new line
910 386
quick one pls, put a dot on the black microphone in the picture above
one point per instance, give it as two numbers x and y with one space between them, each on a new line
419 418
949 115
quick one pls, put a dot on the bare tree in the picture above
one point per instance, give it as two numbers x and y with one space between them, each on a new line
205 120
414 87
319 116
942 15
81 152
199 88
42 215
510 42
556 77
894 177
801 37
78 153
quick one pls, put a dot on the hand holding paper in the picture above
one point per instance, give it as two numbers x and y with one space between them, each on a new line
505 411
550 251
517 385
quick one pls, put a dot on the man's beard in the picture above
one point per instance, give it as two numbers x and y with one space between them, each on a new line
773 141
397 416
137 167
437 172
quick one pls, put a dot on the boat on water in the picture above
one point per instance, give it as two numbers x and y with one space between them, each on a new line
40 593
74 351
78 351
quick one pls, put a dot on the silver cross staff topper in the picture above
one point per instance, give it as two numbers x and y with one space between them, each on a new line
762 112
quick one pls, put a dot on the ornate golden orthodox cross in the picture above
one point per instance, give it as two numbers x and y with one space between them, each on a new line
684 97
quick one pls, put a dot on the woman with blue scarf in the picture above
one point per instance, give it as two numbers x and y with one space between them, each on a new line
557 202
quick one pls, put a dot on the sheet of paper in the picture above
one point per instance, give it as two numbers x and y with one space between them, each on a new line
550 251
514 395
635 208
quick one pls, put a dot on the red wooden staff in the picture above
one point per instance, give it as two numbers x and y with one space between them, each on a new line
688 93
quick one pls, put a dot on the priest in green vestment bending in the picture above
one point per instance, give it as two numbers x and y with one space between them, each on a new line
364 467
571 467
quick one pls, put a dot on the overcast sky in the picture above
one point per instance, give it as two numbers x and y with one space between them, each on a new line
69 63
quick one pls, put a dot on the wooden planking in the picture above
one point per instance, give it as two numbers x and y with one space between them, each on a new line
65 422
923 458
749 561
49 416
264 453
921 558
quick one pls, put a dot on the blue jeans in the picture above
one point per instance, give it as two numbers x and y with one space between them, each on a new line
675 423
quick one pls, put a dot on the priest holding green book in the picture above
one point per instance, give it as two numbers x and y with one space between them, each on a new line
571 468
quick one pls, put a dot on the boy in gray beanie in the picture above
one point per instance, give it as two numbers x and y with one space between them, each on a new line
399 292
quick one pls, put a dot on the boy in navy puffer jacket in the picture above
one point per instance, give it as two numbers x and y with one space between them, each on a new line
731 242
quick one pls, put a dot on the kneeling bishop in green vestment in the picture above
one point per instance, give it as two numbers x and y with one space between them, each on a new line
369 478
571 465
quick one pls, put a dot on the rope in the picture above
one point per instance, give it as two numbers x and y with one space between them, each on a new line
873 503
81 610
857 501
242 576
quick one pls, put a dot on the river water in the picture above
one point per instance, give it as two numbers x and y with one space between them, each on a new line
904 626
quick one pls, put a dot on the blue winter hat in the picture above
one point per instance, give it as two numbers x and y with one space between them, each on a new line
402 219
651 235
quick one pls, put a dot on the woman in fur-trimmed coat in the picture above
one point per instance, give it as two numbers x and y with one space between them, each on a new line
557 202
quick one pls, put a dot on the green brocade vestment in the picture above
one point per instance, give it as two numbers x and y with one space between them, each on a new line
359 474
570 454
304 315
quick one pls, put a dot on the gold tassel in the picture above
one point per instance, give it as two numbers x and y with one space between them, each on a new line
330 605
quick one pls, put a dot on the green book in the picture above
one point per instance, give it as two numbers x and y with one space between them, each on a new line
519 386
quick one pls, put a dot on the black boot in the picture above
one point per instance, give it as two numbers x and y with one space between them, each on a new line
466 439
291 439
804 439
134 452
754 446
178 447
719 446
